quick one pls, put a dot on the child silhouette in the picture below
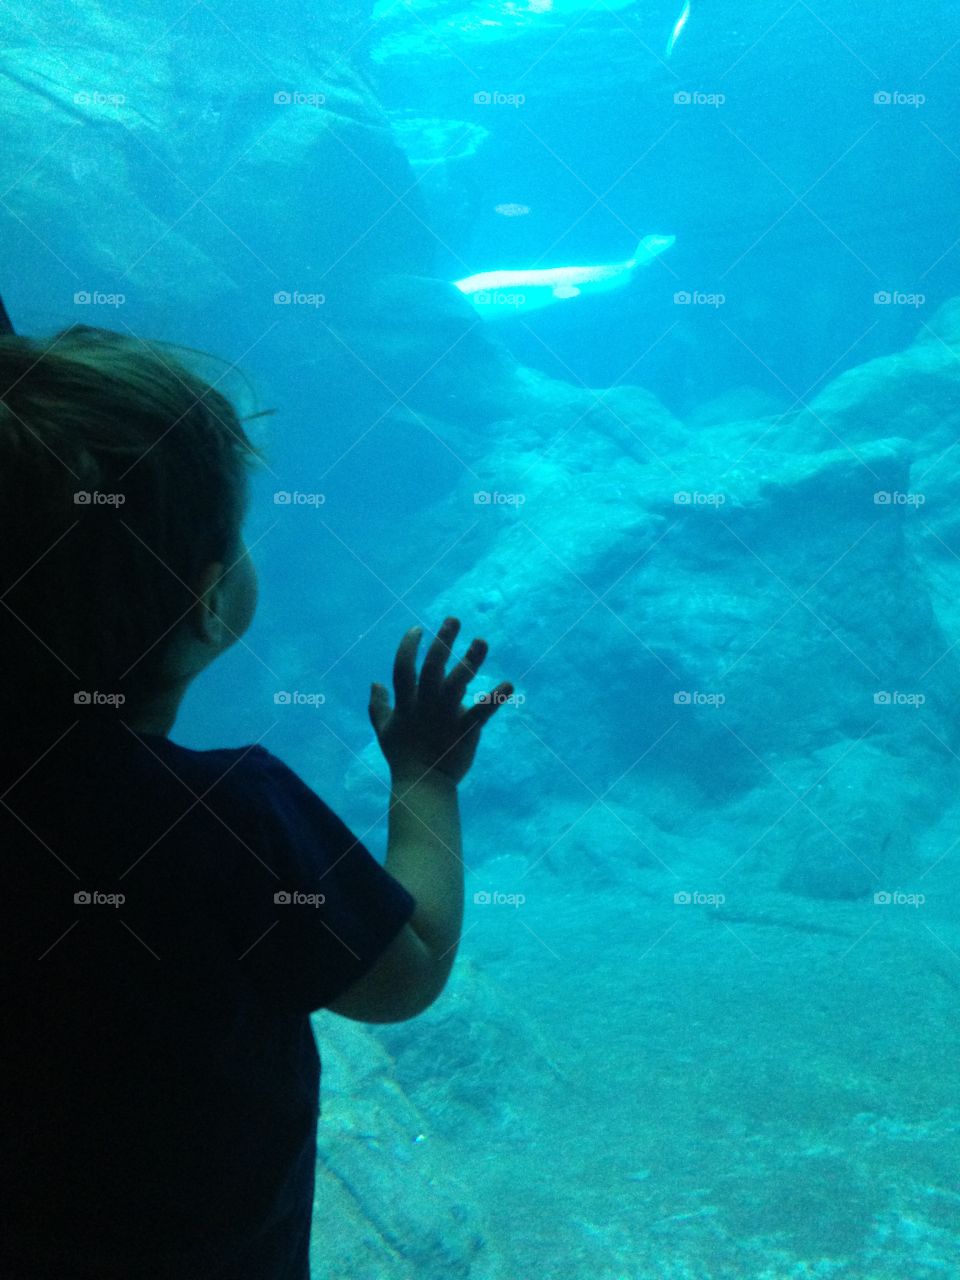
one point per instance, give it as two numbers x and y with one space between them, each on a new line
172 917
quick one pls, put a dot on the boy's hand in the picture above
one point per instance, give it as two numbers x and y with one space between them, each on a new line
428 730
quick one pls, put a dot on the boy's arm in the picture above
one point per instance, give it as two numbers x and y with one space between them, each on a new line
424 853
429 740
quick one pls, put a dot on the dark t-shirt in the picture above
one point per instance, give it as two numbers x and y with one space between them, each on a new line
159 1079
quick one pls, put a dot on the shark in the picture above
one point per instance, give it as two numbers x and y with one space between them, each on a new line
498 294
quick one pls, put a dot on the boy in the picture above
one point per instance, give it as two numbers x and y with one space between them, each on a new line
159 1078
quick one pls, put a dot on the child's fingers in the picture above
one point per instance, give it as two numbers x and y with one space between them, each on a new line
431 673
482 711
379 707
456 682
405 671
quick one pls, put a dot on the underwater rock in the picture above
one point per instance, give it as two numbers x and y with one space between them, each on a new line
819 1205
707 597
738 404
912 394
715 601
943 327
386 1181
80 126
227 179
845 845
420 341
826 866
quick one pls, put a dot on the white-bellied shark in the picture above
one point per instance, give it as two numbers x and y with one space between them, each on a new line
504 293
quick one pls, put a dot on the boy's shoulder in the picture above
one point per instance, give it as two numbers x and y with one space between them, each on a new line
248 772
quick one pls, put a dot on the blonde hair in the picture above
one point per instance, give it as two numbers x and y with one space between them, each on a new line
122 476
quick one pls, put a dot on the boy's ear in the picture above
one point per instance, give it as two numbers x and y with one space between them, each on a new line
206 615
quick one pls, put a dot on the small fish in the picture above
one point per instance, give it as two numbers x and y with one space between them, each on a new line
511 210
675 33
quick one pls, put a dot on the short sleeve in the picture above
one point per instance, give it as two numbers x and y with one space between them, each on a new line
318 909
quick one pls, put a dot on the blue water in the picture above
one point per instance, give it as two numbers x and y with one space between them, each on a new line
718 1037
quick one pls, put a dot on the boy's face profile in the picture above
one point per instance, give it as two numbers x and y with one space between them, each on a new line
230 600
225 608
226 602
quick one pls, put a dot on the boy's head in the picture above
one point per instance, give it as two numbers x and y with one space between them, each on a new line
123 487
